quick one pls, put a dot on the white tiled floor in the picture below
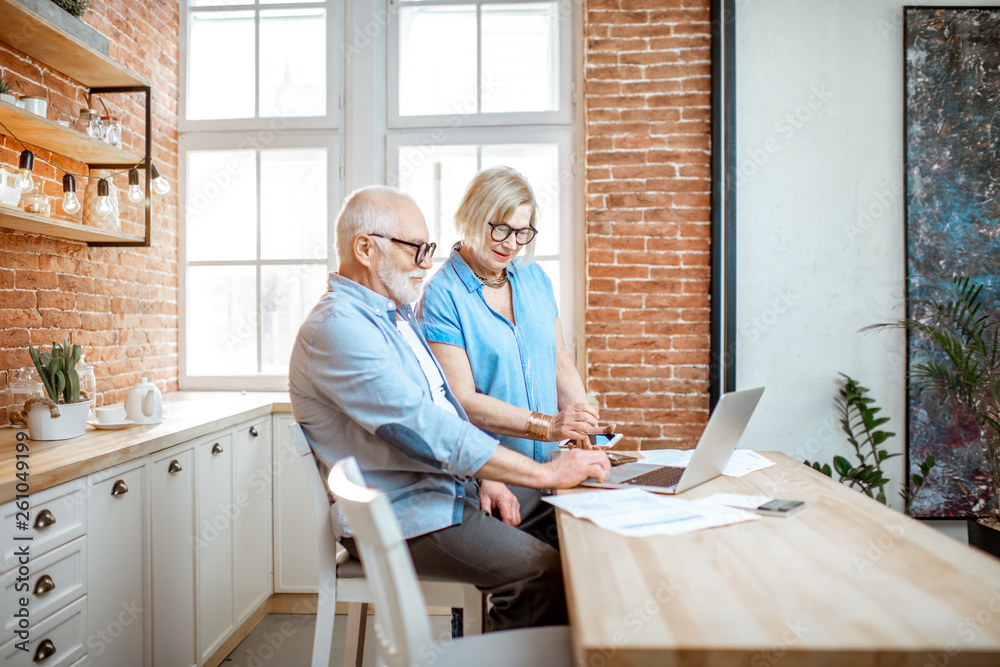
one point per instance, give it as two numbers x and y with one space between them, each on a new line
285 640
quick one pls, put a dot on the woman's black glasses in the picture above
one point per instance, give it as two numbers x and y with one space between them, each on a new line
424 250
522 236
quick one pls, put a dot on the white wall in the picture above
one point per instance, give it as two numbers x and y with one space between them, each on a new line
820 252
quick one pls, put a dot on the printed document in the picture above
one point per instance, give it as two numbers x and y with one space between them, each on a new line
638 513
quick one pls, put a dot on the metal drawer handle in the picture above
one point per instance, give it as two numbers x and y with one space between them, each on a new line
175 466
216 448
45 519
45 650
120 488
253 432
44 585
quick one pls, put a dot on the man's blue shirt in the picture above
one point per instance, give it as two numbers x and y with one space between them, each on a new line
358 390
514 362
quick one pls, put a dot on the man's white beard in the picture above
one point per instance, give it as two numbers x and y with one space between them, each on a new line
401 290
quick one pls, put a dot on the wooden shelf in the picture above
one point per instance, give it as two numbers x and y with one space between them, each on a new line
15 218
50 44
50 135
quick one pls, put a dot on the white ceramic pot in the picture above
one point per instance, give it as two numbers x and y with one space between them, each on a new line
9 99
71 422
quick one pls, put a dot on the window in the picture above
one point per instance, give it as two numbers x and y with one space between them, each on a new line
286 106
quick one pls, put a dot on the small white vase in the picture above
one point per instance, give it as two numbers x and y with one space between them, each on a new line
71 422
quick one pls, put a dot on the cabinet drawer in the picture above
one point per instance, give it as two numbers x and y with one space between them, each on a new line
63 569
63 508
63 631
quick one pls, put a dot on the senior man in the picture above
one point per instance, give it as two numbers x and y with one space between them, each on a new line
363 383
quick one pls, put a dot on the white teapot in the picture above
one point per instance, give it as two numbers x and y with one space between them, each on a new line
144 403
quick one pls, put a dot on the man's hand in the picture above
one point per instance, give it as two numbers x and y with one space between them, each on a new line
496 495
577 465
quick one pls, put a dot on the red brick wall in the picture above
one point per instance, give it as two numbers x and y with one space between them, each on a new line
648 112
119 303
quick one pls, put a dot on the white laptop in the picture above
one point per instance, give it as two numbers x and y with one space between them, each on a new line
715 447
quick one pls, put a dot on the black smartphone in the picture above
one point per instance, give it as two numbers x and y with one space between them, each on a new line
778 507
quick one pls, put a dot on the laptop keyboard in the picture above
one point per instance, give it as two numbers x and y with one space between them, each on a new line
666 476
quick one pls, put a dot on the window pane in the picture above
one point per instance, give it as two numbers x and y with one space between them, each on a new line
221 205
221 320
221 65
436 176
293 62
551 268
293 198
217 3
540 165
520 70
288 294
437 60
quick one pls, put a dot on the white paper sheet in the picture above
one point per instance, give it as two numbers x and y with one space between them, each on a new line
742 462
737 500
638 513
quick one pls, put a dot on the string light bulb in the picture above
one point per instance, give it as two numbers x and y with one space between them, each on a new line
160 185
25 182
70 204
103 197
135 193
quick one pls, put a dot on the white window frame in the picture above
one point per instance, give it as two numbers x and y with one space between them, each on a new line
563 116
334 92
245 141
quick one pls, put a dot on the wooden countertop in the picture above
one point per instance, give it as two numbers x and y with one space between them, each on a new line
187 415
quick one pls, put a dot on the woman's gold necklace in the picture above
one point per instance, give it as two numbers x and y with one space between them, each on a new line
495 284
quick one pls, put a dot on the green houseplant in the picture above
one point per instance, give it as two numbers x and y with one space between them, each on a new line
952 315
63 414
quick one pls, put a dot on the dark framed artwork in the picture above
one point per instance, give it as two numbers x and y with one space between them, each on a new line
952 146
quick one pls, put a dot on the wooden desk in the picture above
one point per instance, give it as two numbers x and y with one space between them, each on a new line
846 581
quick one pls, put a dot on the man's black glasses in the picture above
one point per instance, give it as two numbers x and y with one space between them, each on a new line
522 236
424 250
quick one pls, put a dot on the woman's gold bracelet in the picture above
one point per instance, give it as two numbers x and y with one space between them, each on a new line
537 427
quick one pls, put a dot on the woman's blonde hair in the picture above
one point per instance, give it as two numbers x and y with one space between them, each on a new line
493 195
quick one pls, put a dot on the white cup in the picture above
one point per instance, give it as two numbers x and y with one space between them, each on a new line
110 415
64 123
36 105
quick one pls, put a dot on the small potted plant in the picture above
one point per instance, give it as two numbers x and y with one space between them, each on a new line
954 317
63 412
5 92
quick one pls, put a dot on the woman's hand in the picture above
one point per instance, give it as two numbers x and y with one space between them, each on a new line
496 496
574 423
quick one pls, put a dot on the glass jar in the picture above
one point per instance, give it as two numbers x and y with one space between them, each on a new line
36 202
88 383
90 123
26 385
112 129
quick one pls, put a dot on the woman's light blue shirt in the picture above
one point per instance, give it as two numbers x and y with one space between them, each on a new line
514 363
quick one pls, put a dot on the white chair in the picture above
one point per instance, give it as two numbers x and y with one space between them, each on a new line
342 579
404 631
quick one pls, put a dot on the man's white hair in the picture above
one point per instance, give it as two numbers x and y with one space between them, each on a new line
367 210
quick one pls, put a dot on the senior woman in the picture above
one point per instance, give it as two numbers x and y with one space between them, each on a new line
493 325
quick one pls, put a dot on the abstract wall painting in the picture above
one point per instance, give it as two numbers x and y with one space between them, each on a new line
952 137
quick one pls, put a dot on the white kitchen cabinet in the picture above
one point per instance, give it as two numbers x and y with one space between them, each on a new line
56 641
252 582
296 544
214 539
172 521
118 559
